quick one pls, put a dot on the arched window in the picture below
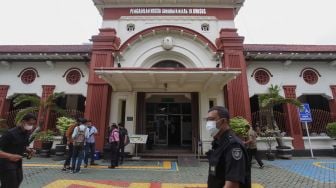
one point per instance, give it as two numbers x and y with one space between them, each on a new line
205 27
310 77
261 77
130 27
28 76
168 63
73 77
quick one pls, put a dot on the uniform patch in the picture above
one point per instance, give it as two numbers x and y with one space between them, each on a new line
237 153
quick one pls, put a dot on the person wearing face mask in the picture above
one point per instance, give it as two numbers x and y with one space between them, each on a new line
229 165
13 145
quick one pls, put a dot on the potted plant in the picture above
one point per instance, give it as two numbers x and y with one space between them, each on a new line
238 126
331 131
267 102
46 138
268 137
62 124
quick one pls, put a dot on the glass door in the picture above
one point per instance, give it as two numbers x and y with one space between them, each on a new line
161 130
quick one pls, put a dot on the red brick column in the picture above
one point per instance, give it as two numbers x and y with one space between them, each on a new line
3 95
47 90
332 103
236 91
293 124
98 99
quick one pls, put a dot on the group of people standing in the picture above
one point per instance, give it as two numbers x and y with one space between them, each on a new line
81 142
118 138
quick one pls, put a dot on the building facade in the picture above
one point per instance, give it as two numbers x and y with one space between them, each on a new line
158 67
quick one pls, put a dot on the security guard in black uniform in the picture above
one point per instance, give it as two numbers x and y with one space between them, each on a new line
229 166
13 146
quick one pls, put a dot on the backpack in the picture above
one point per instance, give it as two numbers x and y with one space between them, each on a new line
124 136
80 137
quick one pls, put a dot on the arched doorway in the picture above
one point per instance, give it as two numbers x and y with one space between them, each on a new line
319 106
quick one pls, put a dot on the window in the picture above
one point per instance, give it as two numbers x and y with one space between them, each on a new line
28 76
205 27
73 77
168 63
310 77
130 27
261 77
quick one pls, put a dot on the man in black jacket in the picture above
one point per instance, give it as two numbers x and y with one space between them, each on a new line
13 145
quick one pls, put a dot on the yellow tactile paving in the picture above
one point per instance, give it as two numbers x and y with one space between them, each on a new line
166 165
320 165
67 183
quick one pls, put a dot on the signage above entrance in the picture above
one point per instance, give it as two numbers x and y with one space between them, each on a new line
165 11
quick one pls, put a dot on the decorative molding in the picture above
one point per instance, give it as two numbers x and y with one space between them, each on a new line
73 68
51 64
290 91
309 68
29 68
264 69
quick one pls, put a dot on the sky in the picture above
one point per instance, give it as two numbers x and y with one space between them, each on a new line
259 21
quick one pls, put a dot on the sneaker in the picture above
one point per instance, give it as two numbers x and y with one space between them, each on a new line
72 172
64 169
261 167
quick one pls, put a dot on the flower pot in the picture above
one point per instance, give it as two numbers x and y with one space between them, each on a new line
60 150
45 148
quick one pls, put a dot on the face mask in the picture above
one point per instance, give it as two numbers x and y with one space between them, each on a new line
211 128
28 127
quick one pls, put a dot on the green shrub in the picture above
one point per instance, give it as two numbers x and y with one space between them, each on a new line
331 129
238 126
45 136
63 123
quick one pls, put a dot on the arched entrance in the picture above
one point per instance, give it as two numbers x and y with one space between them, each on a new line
320 111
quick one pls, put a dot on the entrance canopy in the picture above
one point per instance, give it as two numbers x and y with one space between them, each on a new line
166 79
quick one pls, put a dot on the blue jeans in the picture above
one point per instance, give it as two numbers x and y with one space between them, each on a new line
77 155
89 149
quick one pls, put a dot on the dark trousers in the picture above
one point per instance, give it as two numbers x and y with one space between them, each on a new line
121 154
11 178
69 156
90 149
114 154
77 157
254 152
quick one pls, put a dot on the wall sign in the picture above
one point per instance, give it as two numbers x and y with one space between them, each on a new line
165 11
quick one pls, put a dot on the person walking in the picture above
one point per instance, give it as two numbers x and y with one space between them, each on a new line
68 135
79 135
114 141
124 140
251 145
229 166
13 144
90 145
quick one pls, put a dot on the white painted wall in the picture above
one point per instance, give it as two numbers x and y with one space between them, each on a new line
48 76
289 75
149 51
130 98
145 22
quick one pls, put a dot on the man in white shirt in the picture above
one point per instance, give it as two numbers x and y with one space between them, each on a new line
79 137
90 144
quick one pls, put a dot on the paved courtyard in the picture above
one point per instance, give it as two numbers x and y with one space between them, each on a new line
298 172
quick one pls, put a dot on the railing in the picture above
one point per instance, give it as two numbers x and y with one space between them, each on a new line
261 118
73 113
318 126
